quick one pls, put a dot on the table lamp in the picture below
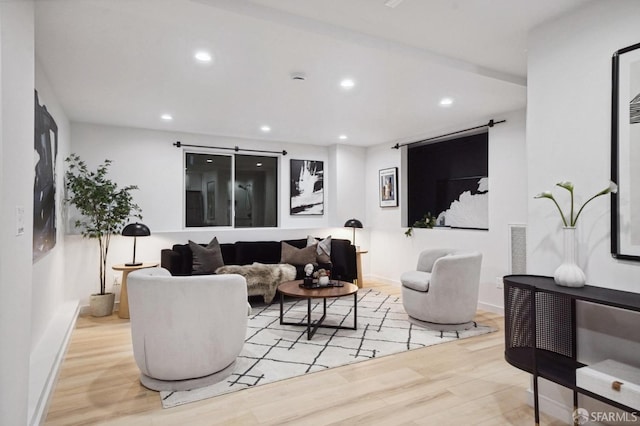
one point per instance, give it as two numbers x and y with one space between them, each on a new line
135 230
353 223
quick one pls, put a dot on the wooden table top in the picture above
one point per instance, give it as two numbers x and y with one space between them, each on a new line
123 267
292 288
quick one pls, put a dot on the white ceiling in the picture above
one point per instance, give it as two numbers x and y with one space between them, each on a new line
126 62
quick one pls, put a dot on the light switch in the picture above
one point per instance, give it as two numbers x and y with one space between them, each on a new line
19 220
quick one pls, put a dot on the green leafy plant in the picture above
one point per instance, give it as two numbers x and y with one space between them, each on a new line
427 221
105 207
613 188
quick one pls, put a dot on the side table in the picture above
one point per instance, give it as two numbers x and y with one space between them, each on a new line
359 280
123 309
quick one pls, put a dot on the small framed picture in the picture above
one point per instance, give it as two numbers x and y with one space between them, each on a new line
388 179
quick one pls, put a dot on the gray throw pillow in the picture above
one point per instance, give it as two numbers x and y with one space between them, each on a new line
323 250
206 259
295 256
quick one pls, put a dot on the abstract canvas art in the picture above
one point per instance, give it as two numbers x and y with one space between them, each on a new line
307 187
625 154
463 202
44 184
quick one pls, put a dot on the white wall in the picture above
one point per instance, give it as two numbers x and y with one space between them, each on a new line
148 159
568 138
16 189
392 253
48 271
348 198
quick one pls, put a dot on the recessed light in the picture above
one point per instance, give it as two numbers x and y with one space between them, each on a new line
166 117
347 83
265 129
209 160
258 164
393 3
445 102
203 56
342 137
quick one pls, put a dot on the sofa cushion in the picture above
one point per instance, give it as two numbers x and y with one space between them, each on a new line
248 252
323 251
206 259
295 256
416 280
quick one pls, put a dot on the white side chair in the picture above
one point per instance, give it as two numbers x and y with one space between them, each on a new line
186 331
442 293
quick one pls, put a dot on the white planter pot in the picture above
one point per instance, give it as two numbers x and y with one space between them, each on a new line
101 305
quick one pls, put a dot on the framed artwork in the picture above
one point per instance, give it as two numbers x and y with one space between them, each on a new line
388 179
625 153
44 184
211 200
307 187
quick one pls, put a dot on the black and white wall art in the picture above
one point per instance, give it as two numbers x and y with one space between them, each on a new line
625 154
449 180
44 184
463 202
307 187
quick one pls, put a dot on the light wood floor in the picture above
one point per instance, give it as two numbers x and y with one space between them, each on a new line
466 382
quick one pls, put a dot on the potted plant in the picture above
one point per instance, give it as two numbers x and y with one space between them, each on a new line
105 209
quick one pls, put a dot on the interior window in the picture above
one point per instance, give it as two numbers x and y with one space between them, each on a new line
230 190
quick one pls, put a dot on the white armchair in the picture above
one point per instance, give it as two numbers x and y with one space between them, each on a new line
186 331
442 292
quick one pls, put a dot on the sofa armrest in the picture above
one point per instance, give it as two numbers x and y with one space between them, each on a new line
343 260
171 261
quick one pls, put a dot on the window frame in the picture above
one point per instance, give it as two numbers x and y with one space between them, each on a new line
232 225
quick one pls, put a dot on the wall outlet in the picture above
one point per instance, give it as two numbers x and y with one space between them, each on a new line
499 283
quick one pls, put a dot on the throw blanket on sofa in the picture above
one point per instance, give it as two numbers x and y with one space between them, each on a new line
262 279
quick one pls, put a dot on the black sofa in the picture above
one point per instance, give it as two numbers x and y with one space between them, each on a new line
178 260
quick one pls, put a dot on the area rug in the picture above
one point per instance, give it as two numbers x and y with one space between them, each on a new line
275 352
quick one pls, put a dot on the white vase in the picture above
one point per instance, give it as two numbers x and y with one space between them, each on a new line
569 273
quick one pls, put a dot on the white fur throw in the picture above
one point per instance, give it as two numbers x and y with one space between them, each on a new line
262 279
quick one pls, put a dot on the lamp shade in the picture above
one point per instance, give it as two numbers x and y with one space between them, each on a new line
353 223
136 230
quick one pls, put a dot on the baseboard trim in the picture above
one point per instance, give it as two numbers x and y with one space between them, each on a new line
86 310
383 280
491 308
551 407
46 358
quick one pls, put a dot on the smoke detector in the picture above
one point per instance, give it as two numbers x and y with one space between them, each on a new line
298 76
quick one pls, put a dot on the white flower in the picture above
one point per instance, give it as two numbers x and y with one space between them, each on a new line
613 188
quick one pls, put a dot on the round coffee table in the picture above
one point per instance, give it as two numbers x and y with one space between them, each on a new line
293 289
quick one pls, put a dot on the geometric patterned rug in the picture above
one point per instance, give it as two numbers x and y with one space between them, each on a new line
275 352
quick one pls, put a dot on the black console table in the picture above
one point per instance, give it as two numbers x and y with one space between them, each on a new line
540 329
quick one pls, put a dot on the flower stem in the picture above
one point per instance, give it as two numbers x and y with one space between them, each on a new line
560 210
571 216
574 221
